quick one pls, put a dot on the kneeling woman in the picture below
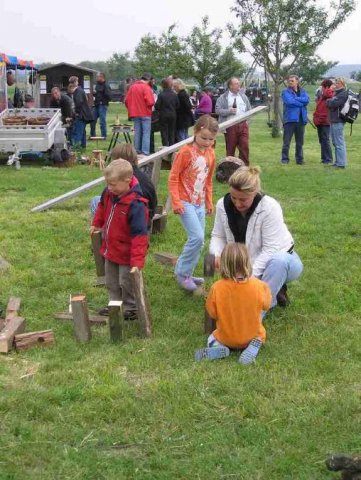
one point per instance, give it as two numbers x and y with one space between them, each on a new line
246 215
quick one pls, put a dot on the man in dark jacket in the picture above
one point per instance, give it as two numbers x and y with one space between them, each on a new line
295 101
167 105
83 114
62 101
334 105
101 101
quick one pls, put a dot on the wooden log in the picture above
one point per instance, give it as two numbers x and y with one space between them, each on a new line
165 258
14 326
80 312
43 338
159 220
93 319
156 172
96 240
4 265
209 323
12 308
115 321
141 300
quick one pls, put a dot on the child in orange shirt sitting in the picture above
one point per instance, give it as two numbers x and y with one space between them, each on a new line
190 189
236 303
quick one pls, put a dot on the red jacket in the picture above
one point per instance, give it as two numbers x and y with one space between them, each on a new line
320 115
125 220
139 100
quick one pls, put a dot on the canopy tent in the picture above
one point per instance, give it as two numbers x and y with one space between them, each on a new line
12 61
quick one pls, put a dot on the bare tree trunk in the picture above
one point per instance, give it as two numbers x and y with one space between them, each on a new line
277 123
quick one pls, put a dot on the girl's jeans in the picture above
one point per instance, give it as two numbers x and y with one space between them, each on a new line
193 220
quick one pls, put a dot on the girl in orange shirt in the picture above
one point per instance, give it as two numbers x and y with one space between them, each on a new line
190 188
236 304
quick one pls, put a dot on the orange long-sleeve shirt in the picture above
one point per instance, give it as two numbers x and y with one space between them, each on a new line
190 178
237 308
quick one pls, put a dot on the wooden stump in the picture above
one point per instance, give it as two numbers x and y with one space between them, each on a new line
156 172
13 307
44 338
142 302
13 326
115 321
79 309
96 240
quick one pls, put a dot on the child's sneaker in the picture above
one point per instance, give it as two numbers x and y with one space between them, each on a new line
186 282
211 353
198 280
250 353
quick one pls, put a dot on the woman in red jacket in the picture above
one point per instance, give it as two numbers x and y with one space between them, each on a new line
322 121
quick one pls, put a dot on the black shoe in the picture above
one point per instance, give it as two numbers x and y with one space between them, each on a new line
300 163
104 311
282 297
130 315
337 166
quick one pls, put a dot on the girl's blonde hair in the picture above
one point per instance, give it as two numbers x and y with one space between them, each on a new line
246 179
235 262
340 80
119 169
180 84
126 151
208 122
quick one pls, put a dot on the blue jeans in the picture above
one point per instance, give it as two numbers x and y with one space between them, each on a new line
281 268
298 130
181 134
338 141
193 220
78 133
100 111
324 140
142 128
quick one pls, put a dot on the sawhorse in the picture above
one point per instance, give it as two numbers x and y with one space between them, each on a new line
116 131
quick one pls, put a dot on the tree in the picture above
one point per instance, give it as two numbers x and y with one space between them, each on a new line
99 66
356 75
162 56
120 66
281 33
211 64
312 70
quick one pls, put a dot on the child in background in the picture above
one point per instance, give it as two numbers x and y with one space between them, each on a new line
190 188
122 213
236 303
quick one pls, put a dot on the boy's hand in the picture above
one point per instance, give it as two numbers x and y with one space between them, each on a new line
178 211
94 229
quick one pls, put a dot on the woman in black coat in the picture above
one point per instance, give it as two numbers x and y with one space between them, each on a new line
185 116
167 105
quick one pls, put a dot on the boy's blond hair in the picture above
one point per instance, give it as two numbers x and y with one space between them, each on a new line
125 151
246 179
236 262
119 169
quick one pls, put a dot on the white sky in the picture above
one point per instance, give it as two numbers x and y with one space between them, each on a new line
76 30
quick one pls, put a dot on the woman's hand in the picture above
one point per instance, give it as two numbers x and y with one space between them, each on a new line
178 211
209 211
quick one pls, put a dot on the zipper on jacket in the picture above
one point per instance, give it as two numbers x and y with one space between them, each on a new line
107 227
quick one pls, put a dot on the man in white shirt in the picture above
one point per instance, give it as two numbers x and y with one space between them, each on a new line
234 102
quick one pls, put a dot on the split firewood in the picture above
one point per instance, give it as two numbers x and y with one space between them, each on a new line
27 340
81 318
12 308
13 326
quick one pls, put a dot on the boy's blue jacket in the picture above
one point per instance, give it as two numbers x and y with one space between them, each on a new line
294 106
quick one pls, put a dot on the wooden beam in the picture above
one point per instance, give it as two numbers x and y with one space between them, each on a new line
159 221
141 300
150 158
79 309
4 265
115 321
96 240
93 319
44 338
14 326
165 258
12 308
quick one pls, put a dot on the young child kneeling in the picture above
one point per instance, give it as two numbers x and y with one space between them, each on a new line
122 213
236 303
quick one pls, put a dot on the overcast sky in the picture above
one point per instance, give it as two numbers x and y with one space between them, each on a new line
72 31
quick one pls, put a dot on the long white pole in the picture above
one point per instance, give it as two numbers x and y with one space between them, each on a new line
154 156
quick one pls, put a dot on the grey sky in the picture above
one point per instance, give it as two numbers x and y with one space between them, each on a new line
92 30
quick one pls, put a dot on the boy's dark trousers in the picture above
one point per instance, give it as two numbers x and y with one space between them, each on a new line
119 285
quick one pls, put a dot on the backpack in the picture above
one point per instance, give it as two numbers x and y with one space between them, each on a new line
349 111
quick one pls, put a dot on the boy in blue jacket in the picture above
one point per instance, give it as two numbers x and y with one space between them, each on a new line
295 101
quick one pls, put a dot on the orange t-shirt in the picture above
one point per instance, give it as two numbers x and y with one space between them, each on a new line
237 308
190 178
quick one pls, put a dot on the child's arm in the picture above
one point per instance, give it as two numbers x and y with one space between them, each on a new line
209 183
138 222
178 166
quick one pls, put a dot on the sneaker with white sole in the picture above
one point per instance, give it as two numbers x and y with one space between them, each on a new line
211 353
250 353
198 280
186 282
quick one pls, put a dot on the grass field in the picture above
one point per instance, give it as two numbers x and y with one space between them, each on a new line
145 409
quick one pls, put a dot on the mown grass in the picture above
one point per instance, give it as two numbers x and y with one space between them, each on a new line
145 409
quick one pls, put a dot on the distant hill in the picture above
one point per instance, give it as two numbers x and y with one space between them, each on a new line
342 70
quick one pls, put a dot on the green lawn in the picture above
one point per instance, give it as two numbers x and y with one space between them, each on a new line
145 409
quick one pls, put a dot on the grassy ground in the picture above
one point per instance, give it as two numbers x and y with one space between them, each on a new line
145 409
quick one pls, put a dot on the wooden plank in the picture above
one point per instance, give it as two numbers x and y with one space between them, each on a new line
93 319
96 240
159 221
115 321
141 300
81 318
165 258
43 338
4 265
156 172
12 308
14 326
